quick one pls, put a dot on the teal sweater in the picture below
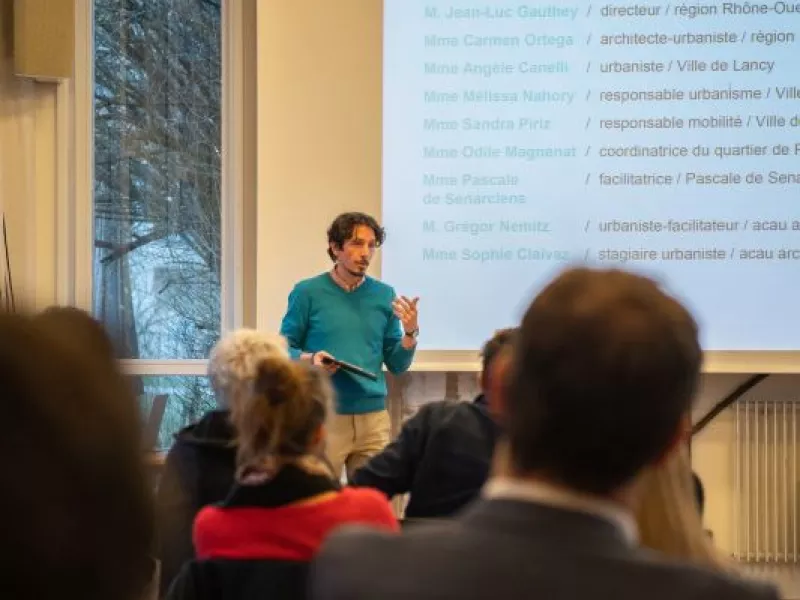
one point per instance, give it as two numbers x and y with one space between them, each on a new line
358 327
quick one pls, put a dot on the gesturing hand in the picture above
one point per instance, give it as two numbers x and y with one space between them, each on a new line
406 310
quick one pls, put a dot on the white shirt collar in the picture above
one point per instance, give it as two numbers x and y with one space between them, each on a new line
542 493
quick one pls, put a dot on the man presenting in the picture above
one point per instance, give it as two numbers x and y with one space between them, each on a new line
345 315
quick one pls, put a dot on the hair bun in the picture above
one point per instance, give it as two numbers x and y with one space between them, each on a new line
275 380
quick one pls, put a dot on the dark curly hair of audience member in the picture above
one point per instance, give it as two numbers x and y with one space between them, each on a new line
78 511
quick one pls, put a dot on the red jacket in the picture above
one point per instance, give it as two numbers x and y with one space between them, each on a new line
286 518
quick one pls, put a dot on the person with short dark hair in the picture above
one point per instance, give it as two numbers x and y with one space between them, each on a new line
345 315
629 342
603 374
77 505
444 452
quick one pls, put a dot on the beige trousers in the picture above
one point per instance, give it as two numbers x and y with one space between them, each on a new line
353 439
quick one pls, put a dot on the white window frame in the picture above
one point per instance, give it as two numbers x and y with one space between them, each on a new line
75 176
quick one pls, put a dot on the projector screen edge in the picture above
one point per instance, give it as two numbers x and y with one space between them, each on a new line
715 362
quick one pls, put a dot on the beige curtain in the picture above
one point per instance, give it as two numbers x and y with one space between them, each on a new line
27 182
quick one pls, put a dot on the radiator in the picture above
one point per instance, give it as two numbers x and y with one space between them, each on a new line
765 497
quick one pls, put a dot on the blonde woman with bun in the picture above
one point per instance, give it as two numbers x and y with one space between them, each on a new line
258 542
285 500
201 464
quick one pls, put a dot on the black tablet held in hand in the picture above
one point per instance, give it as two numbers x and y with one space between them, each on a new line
350 368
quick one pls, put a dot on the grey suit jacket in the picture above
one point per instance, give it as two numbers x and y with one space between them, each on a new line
504 550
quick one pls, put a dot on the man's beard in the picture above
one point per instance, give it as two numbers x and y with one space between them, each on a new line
356 274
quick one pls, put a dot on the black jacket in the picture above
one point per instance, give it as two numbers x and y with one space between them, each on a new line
442 457
241 580
252 575
199 471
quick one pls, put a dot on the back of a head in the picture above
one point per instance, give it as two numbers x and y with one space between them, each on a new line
234 362
79 514
78 327
277 421
500 342
495 357
605 369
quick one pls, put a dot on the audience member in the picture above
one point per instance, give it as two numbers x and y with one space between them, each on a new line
200 465
79 518
669 515
79 328
604 371
443 453
285 501
699 493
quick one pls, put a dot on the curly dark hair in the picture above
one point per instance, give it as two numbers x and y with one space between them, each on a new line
344 226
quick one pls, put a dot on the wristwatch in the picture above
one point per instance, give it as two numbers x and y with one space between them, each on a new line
413 334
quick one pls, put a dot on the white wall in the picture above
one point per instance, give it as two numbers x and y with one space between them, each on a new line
319 134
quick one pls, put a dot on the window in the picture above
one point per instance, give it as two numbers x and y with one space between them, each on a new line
157 259
169 402
157 175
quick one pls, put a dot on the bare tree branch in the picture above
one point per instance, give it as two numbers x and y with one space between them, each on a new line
119 250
